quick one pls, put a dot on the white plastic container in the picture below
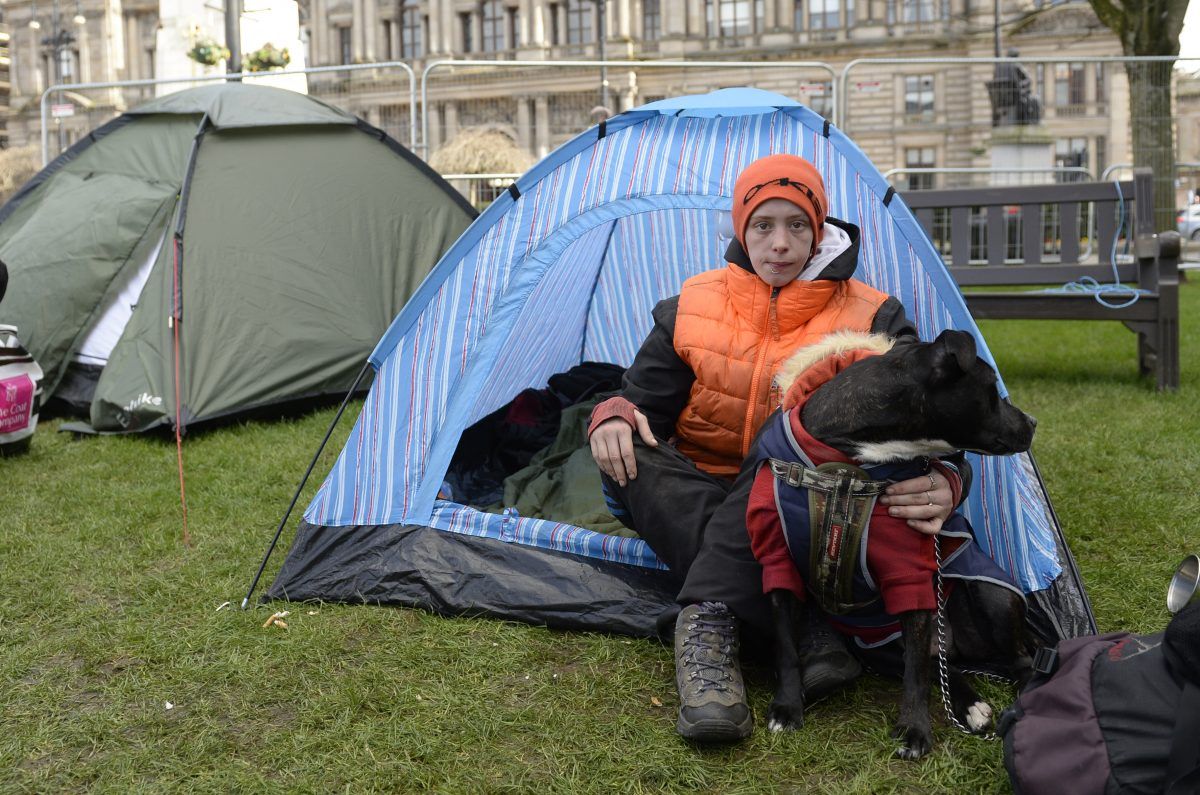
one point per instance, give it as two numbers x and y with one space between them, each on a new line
20 393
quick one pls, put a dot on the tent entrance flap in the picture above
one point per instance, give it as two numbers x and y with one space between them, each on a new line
599 271
102 335
80 263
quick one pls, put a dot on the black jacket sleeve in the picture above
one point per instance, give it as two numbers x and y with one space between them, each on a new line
659 382
891 320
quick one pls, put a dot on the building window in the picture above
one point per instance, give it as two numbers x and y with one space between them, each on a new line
552 13
579 22
651 20
918 97
345 47
149 63
920 157
798 15
824 15
1069 94
412 29
1101 154
734 17
1071 153
917 11
729 18
514 28
1101 86
491 15
465 22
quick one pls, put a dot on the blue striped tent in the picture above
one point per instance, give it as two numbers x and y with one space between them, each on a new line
566 268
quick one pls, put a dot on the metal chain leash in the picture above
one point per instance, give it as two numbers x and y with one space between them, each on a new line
943 667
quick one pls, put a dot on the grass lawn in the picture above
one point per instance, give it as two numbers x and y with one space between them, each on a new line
119 673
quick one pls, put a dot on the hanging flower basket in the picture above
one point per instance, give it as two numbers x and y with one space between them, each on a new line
266 58
208 52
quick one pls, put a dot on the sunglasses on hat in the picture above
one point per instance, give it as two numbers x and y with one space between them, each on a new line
786 183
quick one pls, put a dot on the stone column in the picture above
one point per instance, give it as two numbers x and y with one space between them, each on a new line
624 27
133 65
316 19
332 44
695 19
451 125
672 19
524 125
534 23
447 44
770 15
85 54
370 29
358 23
541 114
434 15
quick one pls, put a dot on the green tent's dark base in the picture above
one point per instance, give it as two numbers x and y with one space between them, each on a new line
73 396
453 574
289 409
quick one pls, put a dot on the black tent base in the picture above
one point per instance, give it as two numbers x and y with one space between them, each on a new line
459 575
453 574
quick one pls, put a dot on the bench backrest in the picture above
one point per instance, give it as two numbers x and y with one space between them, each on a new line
1084 240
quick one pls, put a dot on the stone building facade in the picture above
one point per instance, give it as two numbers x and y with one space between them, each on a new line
903 115
909 115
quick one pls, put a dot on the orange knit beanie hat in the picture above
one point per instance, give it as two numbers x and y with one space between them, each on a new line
780 177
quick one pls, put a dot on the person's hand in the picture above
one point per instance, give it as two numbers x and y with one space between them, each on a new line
612 446
926 502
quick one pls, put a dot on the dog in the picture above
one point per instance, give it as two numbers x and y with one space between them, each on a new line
889 408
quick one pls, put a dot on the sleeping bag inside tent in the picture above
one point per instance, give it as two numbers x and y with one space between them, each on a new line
259 236
559 274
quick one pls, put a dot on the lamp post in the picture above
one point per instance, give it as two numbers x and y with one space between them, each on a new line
233 36
58 44
602 37
996 28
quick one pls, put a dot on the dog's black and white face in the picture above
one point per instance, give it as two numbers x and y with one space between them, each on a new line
928 398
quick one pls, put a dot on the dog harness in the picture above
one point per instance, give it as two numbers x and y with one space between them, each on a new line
862 566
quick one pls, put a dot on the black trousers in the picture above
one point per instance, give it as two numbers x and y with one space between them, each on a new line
696 524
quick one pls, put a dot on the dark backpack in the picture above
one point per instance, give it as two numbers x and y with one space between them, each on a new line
1110 713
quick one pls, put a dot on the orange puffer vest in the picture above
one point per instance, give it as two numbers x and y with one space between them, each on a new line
733 333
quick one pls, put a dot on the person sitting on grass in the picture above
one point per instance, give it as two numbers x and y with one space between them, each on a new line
671 445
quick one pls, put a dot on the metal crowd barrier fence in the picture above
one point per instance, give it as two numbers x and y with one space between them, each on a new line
910 114
481 189
546 109
126 87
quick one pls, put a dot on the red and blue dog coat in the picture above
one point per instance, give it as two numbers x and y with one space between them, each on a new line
891 567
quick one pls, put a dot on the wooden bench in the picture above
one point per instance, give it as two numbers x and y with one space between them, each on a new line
1046 235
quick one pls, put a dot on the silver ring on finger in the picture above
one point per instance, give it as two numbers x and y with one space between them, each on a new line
932 482
928 499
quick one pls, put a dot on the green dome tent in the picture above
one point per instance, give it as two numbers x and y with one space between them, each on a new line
247 243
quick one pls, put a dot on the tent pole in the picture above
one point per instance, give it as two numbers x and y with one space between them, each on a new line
295 497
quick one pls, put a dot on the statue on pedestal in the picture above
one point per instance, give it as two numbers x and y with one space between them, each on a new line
1011 93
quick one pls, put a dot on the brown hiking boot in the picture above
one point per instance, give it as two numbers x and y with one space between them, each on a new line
712 697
